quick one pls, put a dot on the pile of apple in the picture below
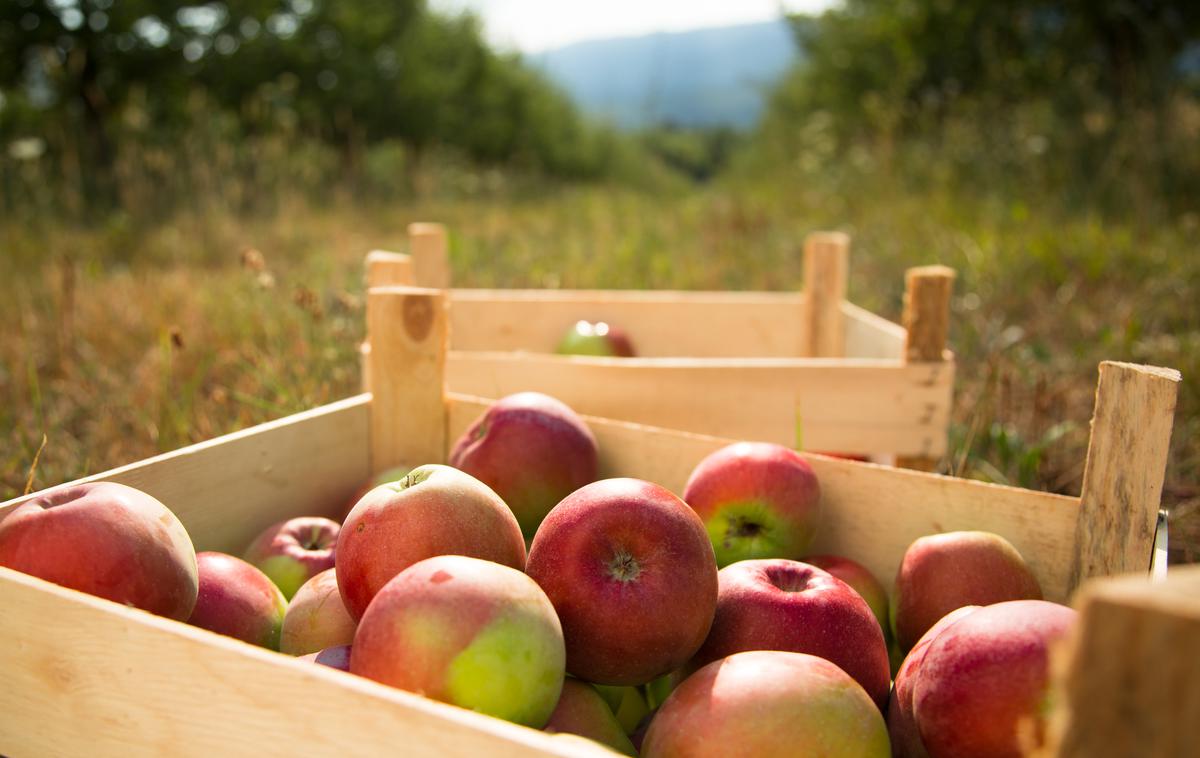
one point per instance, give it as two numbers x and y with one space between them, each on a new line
674 626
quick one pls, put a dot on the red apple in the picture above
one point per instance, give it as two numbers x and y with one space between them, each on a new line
336 657
631 574
292 552
582 710
532 450
434 510
942 572
316 618
757 500
107 540
598 338
238 600
984 678
787 605
468 632
902 727
767 703
861 580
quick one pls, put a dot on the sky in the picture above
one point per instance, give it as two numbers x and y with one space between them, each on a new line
535 25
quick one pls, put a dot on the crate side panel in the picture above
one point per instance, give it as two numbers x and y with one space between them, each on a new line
869 513
659 324
83 676
843 405
226 490
871 336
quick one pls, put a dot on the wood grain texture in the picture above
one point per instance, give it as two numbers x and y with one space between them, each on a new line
228 489
926 322
843 405
84 676
429 248
407 329
869 513
1126 463
659 323
826 263
385 269
871 336
1128 683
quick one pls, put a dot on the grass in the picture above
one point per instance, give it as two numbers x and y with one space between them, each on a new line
124 340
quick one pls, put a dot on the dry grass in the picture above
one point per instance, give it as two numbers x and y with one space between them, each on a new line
125 341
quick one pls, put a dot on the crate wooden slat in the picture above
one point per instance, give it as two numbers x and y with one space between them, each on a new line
105 679
864 405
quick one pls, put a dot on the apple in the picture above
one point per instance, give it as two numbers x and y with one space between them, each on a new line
599 338
316 618
532 450
584 711
107 540
768 703
861 580
942 572
627 704
433 510
292 552
757 500
238 600
388 475
902 727
786 605
467 632
983 679
336 657
630 572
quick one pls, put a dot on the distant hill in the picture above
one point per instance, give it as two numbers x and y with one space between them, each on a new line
706 77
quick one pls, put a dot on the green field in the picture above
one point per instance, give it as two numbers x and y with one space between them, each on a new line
125 340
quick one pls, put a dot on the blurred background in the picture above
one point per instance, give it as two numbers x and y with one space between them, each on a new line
187 191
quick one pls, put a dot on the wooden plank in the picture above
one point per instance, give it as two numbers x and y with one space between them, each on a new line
826 262
1126 462
842 405
926 324
870 513
83 676
407 328
1129 681
660 323
228 489
430 254
871 336
385 269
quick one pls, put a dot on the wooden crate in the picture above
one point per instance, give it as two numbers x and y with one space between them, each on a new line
806 369
84 675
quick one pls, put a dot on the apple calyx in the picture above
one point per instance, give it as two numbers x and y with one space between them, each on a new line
740 527
623 567
787 581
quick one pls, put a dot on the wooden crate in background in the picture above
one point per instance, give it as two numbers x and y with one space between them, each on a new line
81 675
805 369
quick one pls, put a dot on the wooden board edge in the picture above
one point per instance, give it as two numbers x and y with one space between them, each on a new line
518 739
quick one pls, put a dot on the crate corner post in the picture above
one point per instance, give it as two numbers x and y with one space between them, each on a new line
826 264
926 321
1126 464
1124 682
429 247
407 327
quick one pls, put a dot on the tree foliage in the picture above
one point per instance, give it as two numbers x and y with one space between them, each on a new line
105 76
1066 88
